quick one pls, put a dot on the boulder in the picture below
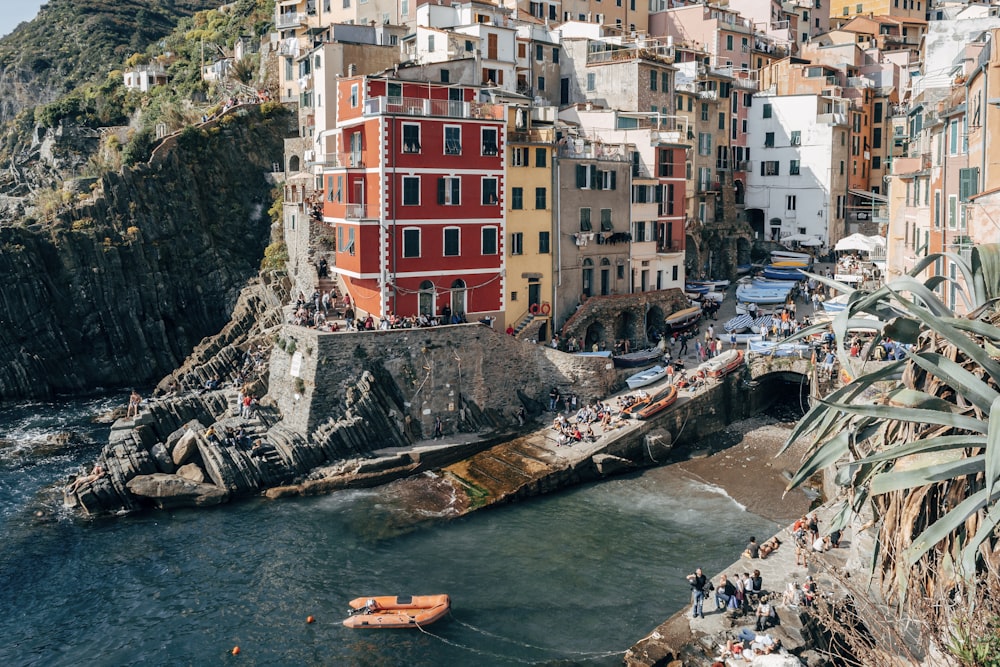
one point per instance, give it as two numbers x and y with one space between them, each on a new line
169 491
174 438
161 457
192 472
185 447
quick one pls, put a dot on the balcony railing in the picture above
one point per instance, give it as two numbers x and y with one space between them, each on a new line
546 136
417 106
351 160
289 20
362 212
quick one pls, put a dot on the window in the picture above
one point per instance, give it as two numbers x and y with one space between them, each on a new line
665 168
585 225
449 189
411 242
394 91
541 83
404 7
411 191
607 180
517 243
519 156
937 209
469 46
354 95
430 42
664 82
606 225
539 53
586 177
411 138
769 139
876 162
543 243
652 80
769 168
445 74
639 231
729 42
541 157
790 202
722 120
704 143
489 191
952 211
489 141
796 139
555 51
452 241
489 240
516 199
591 81
452 140
968 183
704 111
877 137
541 200
953 138
793 167
767 110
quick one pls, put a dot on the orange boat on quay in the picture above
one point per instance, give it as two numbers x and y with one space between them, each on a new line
397 611
658 403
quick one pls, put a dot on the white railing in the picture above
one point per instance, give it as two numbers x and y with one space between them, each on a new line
416 106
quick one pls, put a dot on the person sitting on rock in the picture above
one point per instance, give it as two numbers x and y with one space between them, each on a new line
95 474
766 615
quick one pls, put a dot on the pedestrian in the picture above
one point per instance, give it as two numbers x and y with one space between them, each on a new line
699 585
438 428
684 344
553 399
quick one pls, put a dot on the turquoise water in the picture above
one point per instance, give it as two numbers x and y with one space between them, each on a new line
573 578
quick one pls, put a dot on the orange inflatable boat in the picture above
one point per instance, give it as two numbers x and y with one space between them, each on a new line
397 611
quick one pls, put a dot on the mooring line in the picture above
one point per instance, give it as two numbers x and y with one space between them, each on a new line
589 654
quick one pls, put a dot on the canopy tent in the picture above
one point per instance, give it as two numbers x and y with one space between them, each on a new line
811 243
796 238
859 242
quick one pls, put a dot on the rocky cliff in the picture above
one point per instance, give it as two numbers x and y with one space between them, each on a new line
119 288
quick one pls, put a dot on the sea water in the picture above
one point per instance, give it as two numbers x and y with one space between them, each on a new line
571 578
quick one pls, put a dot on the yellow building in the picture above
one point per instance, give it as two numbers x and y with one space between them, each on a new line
844 10
530 242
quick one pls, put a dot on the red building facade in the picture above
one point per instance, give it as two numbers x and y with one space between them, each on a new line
415 195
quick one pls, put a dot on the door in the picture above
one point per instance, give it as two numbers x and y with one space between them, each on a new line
426 298
605 282
456 102
534 293
358 198
458 298
491 47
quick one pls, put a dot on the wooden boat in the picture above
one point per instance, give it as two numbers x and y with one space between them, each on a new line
683 319
648 376
397 611
723 364
658 403
645 357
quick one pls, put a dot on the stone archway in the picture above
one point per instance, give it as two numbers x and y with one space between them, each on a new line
595 334
625 328
654 323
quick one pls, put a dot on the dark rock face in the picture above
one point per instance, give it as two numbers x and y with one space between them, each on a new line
118 290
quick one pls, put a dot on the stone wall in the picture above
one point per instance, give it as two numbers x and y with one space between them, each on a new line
610 318
470 375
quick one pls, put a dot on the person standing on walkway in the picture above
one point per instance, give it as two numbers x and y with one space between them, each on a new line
699 584
684 345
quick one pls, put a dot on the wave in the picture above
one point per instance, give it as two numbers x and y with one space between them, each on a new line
701 485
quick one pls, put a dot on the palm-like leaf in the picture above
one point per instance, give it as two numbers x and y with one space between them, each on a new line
926 456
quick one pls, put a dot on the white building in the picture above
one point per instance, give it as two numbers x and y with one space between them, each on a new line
797 182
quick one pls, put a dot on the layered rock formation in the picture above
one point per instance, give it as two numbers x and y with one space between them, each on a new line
118 289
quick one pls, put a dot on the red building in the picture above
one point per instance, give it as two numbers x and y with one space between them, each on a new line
416 197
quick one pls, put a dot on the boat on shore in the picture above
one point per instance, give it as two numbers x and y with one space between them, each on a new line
786 255
648 376
723 364
606 354
738 324
642 399
638 358
397 611
782 273
657 403
761 296
683 319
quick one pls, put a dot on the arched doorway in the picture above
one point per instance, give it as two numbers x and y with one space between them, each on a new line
605 276
426 298
595 336
625 328
293 164
774 229
588 277
654 323
458 296
755 218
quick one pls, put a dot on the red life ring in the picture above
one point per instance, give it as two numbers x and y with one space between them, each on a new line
546 309
533 309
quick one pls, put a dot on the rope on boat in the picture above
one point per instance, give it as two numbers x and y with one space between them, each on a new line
589 655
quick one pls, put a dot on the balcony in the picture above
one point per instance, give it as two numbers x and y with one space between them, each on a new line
417 106
709 186
350 160
542 136
362 212
289 20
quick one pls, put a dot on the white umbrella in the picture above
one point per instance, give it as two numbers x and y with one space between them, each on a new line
854 242
796 238
811 242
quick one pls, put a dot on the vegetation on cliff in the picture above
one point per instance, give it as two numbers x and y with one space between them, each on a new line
924 457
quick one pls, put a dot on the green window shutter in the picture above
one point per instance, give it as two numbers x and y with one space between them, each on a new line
441 186
614 180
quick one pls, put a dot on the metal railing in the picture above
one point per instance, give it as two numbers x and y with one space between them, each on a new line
417 106
289 20
362 212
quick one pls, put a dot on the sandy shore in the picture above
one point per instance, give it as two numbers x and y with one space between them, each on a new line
750 473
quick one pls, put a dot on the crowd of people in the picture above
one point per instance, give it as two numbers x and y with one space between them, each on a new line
323 312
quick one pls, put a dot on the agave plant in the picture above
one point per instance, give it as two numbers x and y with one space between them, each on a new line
913 438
